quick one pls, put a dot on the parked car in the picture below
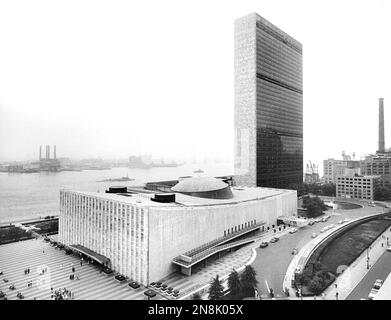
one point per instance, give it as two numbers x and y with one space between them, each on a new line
371 204
274 239
378 283
341 222
293 230
325 218
372 293
389 248
295 251
263 244
311 222
346 220
314 235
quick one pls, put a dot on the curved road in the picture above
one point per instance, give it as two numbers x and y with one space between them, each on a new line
271 263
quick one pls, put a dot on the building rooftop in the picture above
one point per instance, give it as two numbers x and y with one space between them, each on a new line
199 184
144 199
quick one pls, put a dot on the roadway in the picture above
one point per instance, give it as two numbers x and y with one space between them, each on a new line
271 263
380 270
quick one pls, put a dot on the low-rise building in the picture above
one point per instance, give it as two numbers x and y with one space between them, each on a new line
332 168
146 236
379 164
357 186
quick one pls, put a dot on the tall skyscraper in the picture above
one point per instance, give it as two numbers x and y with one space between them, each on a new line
268 105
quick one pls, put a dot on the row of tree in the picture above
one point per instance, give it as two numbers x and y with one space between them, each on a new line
382 194
314 206
326 189
239 286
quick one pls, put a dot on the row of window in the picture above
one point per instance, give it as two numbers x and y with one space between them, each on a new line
240 227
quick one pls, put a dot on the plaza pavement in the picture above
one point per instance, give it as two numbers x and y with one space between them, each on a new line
93 285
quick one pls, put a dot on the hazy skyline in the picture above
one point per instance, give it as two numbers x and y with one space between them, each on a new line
110 79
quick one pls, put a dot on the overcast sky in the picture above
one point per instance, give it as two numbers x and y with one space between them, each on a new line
113 78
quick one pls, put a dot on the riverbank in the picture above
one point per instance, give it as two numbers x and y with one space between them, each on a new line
28 230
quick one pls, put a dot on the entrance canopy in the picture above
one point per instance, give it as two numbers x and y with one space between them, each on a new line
92 254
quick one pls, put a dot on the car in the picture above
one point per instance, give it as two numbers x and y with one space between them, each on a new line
341 222
263 244
373 293
293 230
274 239
311 222
323 230
324 219
371 204
346 220
378 283
330 226
389 248
314 235
295 251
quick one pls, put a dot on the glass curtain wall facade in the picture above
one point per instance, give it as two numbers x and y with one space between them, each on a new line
274 98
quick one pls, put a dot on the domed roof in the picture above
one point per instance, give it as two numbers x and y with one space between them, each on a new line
199 184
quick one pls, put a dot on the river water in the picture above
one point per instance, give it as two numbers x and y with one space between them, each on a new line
24 196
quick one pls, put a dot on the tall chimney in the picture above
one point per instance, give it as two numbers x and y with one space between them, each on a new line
47 152
381 126
40 153
54 153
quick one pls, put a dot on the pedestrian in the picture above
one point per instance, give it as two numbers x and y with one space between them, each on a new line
43 251
81 263
73 269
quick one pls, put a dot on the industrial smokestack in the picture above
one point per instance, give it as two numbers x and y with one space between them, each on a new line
54 153
47 152
40 153
381 126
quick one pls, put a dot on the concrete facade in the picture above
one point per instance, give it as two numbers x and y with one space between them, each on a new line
333 168
356 187
245 101
379 164
142 237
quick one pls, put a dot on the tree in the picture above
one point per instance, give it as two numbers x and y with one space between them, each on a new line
316 286
196 296
216 289
234 283
329 189
248 281
314 205
382 194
